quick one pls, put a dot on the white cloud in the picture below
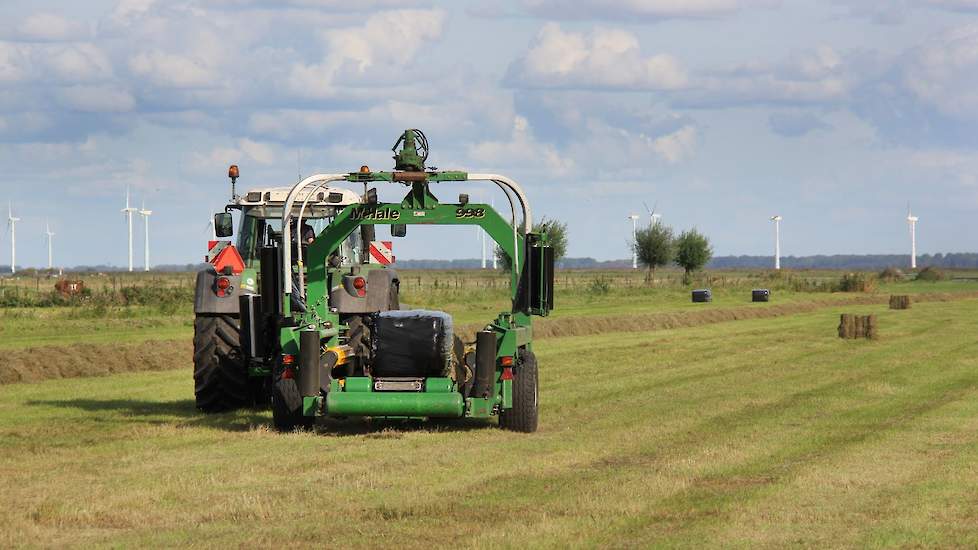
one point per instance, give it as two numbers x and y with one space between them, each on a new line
644 9
521 150
50 27
943 72
676 146
601 59
96 99
387 40
128 11
169 70
70 63
243 151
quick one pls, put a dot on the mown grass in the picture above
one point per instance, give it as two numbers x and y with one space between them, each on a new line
472 297
764 433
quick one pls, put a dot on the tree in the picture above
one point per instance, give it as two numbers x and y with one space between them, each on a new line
556 231
654 247
693 251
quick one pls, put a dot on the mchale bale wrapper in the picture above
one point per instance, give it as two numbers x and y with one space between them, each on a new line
304 312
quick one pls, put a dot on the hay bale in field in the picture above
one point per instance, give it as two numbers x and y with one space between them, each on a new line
899 302
852 326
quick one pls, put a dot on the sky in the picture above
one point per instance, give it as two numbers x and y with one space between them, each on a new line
835 114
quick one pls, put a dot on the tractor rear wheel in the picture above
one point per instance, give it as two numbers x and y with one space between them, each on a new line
287 407
524 415
221 380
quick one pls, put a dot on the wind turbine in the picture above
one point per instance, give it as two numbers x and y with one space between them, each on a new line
12 225
50 235
634 218
212 227
912 220
777 240
146 214
653 217
129 211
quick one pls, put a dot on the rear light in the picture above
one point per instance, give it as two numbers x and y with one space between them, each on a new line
506 361
507 374
360 284
288 374
288 359
223 283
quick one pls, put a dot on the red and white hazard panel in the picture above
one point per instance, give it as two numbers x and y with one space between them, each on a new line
382 252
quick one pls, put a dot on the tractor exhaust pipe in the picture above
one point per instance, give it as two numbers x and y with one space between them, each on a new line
485 364
310 349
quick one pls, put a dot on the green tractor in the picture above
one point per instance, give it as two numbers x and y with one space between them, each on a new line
304 313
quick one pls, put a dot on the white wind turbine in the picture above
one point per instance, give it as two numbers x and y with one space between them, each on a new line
50 236
912 220
634 218
211 227
777 240
653 217
129 211
12 225
145 214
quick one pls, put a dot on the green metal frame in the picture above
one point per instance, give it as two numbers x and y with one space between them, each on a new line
513 328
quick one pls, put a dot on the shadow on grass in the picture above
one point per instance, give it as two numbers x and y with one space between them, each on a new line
185 413
386 428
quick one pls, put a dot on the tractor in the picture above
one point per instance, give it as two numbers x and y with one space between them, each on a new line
304 313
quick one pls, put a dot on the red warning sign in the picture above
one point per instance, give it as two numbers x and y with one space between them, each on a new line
382 252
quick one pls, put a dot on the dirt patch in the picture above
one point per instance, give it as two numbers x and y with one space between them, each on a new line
51 362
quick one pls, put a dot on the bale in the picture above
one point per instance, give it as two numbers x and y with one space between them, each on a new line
847 326
900 302
871 330
858 326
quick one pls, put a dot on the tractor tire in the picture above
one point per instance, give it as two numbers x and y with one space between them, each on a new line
523 417
221 380
287 407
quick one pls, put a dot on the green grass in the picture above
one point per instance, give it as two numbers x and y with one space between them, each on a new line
22 328
472 297
765 433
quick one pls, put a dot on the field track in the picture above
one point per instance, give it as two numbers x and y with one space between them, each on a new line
52 362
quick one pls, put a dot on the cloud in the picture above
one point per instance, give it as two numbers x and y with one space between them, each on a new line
677 145
244 150
641 9
48 27
68 63
521 150
387 41
954 5
943 72
96 99
795 124
607 59
171 70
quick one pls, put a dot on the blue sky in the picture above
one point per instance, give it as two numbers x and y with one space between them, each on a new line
834 114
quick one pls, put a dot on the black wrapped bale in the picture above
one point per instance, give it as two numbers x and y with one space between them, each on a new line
415 343
702 295
760 295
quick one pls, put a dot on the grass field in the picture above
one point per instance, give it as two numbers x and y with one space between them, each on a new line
471 297
756 433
